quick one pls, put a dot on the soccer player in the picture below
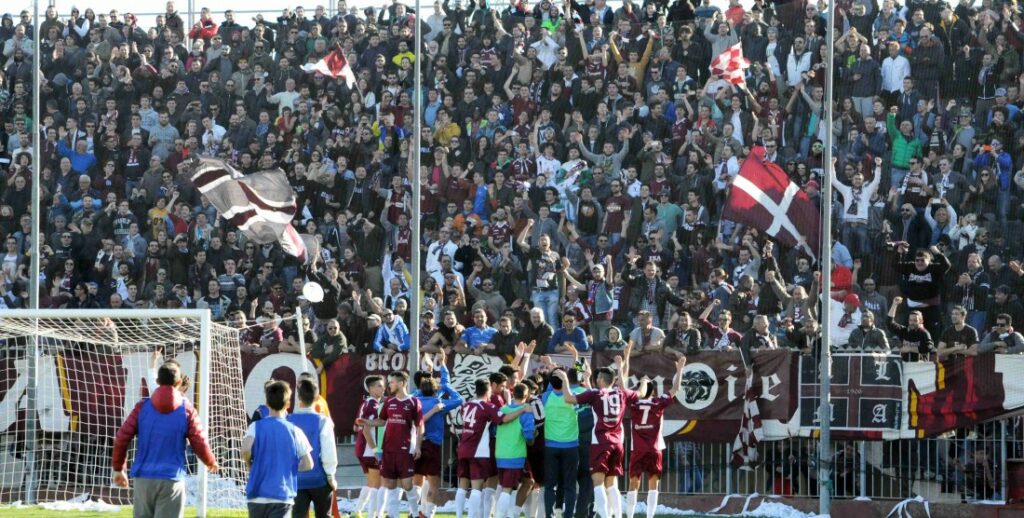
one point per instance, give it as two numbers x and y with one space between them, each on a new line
317 485
499 396
163 423
438 401
367 441
609 402
647 415
402 419
475 451
510 449
276 451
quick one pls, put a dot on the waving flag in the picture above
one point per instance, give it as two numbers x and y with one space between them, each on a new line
744 448
762 196
731 65
262 205
334 64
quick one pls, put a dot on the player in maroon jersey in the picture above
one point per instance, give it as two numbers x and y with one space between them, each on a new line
499 396
402 419
476 453
646 416
366 449
609 402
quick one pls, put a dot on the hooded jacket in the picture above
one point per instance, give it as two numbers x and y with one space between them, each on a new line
163 423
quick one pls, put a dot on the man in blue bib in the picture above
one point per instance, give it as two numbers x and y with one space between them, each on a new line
317 485
276 451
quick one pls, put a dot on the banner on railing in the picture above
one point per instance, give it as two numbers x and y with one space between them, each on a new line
867 396
873 397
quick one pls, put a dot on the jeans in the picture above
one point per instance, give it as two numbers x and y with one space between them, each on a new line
560 465
1003 210
855 236
547 301
688 454
864 105
896 176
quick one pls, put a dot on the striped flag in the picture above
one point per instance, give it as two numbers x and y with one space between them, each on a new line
731 65
261 205
744 448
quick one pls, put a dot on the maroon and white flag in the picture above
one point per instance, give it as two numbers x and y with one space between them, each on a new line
731 65
744 447
334 64
262 205
762 196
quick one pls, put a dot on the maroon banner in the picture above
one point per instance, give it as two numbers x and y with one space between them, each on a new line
961 392
711 398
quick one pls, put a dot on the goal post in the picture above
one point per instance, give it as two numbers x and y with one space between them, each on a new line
69 378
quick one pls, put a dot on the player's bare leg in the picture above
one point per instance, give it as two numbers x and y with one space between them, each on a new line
429 494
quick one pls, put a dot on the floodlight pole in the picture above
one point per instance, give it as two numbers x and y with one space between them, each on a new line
415 301
32 356
825 485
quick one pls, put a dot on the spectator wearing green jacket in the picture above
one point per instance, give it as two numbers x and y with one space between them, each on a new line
904 147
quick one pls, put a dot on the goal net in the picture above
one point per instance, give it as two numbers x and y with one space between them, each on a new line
59 418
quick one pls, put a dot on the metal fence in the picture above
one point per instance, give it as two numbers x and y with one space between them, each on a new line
966 465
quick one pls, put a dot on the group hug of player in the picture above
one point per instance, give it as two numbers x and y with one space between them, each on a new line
520 433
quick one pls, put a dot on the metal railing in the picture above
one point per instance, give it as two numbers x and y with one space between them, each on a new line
964 466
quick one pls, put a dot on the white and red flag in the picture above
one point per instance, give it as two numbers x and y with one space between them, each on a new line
334 64
731 65
762 196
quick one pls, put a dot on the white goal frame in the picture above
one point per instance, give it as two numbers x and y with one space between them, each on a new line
200 315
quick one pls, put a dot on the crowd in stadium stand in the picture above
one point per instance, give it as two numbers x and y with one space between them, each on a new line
576 159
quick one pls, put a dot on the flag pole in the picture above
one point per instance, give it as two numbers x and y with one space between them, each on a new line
415 301
825 251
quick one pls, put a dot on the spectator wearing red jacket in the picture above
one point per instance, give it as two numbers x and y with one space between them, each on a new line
204 29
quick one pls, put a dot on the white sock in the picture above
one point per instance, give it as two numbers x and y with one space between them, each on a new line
516 510
425 492
413 498
394 510
614 501
475 504
364 496
532 502
630 503
378 506
600 502
487 503
460 502
503 503
652 503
